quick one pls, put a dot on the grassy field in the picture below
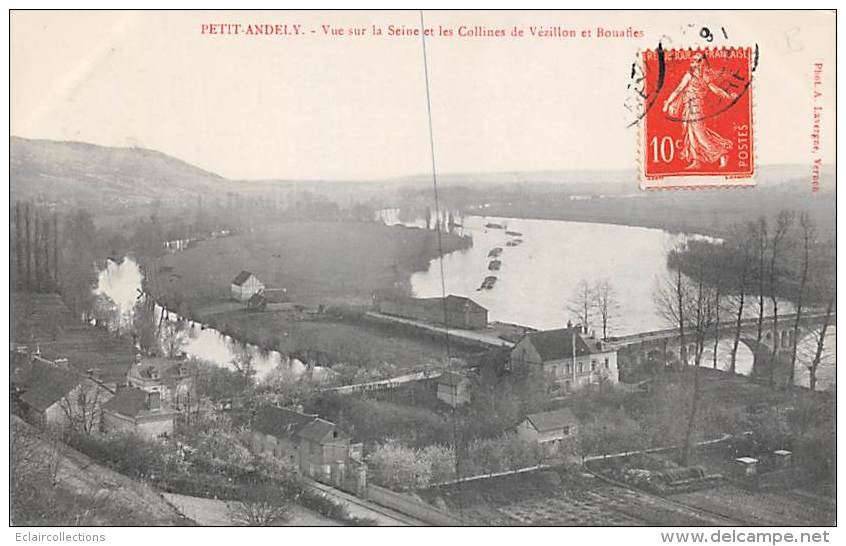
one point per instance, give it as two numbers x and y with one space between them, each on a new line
330 340
317 262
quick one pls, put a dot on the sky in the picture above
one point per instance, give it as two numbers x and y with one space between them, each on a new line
354 108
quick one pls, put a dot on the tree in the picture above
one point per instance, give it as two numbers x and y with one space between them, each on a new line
77 257
82 406
217 383
28 247
743 253
36 251
761 241
669 302
582 303
815 363
19 244
173 337
144 330
783 222
703 314
808 235
244 362
692 307
606 304
260 508
399 467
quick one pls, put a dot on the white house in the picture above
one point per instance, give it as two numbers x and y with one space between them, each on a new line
550 429
454 389
244 285
139 412
570 357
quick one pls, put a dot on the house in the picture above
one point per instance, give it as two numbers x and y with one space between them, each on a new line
166 376
139 412
50 394
453 311
550 430
570 357
454 389
309 445
244 285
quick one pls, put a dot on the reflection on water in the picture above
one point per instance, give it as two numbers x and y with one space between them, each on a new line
539 275
535 281
121 283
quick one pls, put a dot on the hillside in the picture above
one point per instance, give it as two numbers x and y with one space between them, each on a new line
78 173
115 181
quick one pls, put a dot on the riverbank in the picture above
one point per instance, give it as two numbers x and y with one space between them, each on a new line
314 262
711 213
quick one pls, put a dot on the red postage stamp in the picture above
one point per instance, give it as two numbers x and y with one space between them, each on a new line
697 123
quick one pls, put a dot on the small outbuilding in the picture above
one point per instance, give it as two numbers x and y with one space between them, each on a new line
454 389
550 429
244 285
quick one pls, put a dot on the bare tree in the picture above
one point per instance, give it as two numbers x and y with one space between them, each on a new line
606 304
582 303
173 337
244 362
670 304
692 308
19 248
259 512
783 222
808 235
818 354
82 406
761 242
739 299
702 311
718 303
27 221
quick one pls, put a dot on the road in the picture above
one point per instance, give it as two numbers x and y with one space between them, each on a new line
213 512
473 336
363 508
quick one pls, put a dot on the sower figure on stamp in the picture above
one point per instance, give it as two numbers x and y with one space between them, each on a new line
686 103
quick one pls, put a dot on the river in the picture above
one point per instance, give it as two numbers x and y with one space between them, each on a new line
538 277
535 280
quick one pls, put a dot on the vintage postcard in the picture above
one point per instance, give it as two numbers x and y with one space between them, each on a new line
423 268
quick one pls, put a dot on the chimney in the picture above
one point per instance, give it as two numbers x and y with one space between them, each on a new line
154 400
138 358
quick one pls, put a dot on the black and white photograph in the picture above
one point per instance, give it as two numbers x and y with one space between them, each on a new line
483 268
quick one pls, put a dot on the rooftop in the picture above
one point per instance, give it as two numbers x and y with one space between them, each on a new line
45 321
453 302
284 422
241 278
132 402
555 344
48 384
